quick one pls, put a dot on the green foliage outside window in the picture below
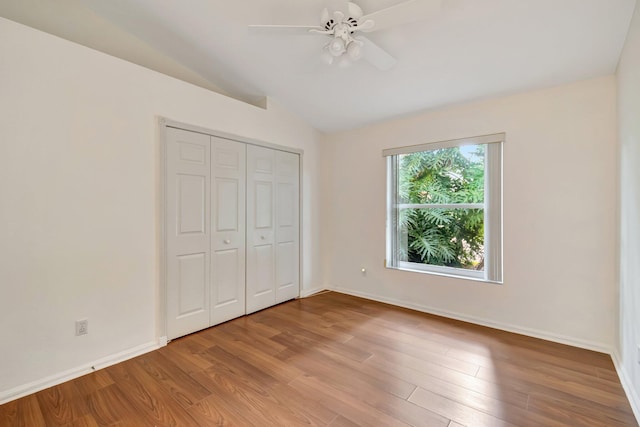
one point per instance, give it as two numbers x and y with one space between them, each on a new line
451 237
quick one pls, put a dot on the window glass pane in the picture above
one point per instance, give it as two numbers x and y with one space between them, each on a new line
443 237
447 175
441 199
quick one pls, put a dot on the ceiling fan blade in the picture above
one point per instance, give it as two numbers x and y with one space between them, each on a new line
366 25
283 29
402 13
355 11
338 6
375 55
324 16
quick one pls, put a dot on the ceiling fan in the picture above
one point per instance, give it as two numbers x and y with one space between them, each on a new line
346 22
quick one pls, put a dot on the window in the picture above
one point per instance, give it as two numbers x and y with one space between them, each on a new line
444 208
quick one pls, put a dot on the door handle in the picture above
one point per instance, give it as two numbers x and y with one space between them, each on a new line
227 241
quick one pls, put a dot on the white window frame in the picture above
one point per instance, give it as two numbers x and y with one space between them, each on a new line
492 209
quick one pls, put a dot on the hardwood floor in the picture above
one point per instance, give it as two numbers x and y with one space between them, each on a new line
336 360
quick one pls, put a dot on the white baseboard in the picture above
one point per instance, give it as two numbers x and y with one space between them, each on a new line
627 385
59 378
308 292
561 339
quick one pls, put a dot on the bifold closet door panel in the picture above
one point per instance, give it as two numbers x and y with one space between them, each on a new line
228 229
287 226
232 229
261 179
187 231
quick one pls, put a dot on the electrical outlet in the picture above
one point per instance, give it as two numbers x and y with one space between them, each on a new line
82 327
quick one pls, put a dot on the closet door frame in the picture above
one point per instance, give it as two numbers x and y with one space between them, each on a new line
163 124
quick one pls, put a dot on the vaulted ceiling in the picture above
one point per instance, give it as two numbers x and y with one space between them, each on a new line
467 50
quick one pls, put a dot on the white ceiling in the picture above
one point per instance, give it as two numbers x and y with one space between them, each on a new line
471 49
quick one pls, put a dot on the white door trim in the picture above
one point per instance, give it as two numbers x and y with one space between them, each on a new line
164 122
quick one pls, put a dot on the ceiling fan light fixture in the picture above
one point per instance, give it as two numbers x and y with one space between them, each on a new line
336 47
344 62
354 50
326 56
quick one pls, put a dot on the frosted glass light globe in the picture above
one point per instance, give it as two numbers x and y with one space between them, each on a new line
336 47
354 50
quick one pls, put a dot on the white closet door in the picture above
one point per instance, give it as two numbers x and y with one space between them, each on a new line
187 231
228 230
261 178
287 226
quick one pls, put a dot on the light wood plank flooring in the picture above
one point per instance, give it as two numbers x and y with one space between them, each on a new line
336 360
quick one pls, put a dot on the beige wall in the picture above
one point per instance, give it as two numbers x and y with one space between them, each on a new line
79 199
559 213
629 137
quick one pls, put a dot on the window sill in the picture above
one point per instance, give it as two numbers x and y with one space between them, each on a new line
449 275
